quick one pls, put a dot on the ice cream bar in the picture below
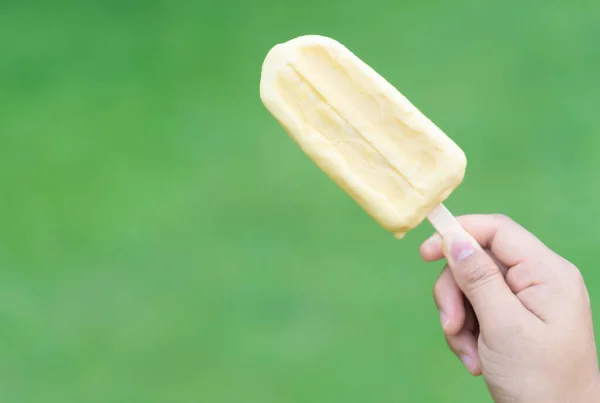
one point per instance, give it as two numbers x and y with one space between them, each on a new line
364 134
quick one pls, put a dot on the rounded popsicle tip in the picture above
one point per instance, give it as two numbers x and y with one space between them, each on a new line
312 39
283 54
360 130
274 61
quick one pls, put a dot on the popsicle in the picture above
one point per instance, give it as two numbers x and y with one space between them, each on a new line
365 135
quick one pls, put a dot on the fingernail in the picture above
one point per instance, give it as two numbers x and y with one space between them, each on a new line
467 360
444 320
460 247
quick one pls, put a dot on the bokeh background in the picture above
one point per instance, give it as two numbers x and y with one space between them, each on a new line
163 240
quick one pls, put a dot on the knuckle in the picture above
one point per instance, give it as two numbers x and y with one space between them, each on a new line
585 296
520 277
576 275
438 287
515 278
503 218
574 271
480 275
452 344
573 275
579 284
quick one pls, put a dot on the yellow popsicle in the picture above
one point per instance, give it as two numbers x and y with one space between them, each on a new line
359 129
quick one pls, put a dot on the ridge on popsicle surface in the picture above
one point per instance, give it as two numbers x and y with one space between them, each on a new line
359 129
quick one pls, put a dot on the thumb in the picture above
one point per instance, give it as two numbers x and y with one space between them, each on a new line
478 276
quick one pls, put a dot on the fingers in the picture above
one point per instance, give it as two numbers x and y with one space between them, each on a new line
449 300
458 321
544 289
510 243
523 276
536 276
479 278
464 345
431 249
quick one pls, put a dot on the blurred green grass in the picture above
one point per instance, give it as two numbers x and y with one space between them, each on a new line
162 240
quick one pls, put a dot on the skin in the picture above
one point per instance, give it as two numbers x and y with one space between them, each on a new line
515 312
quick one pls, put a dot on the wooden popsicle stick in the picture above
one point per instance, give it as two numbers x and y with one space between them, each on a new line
444 222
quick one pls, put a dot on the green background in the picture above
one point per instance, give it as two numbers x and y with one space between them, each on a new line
163 240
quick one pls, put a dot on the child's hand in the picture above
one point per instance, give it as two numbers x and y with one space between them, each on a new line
527 325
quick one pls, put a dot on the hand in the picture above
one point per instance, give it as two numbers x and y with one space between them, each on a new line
515 312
